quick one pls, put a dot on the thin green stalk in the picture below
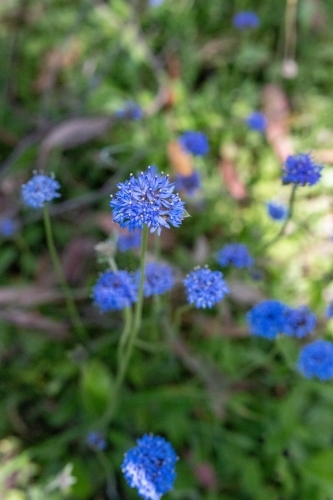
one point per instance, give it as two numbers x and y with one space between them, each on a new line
71 307
178 315
127 313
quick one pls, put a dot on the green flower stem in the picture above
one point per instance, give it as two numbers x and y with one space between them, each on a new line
71 307
178 315
127 313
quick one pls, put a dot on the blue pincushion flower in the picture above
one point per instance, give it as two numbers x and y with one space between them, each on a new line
114 290
132 239
158 279
245 20
316 360
188 183
329 311
96 441
299 322
301 170
150 467
266 319
204 287
195 143
235 254
147 200
8 227
39 190
257 121
276 211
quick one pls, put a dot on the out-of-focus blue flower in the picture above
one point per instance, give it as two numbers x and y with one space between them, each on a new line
188 183
329 310
96 441
130 110
150 467
301 170
40 189
257 121
155 3
194 142
316 360
114 290
276 211
235 254
245 20
8 227
130 240
147 200
299 322
204 287
266 319
158 279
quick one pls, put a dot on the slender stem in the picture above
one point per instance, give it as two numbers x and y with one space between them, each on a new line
127 313
178 315
71 307
110 481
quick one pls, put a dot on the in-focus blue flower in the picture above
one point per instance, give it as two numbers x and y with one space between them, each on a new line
194 142
257 121
204 287
131 239
329 310
235 254
246 19
301 170
150 467
114 290
316 360
266 319
8 227
188 183
276 211
299 322
147 199
130 110
39 190
96 441
158 279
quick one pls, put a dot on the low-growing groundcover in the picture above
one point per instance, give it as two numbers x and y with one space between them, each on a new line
166 250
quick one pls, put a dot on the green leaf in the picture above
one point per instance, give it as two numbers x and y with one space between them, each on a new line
96 388
320 465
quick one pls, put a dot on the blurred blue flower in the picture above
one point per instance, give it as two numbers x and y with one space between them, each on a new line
155 3
130 110
150 467
235 254
39 190
96 441
329 310
114 290
276 211
266 319
301 170
147 199
257 121
246 19
194 142
299 322
8 227
316 360
132 239
158 279
204 287
188 183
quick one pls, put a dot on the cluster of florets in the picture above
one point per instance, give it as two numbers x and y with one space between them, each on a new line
131 239
246 20
299 322
188 183
8 227
96 441
114 290
235 254
316 360
257 121
158 279
301 170
204 287
147 200
195 143
39 190
150 467
276 211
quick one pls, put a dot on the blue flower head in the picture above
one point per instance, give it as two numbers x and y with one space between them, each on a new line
195 143
235 254
301 170
266 319
245 20
329 311
96 441
150 467
39 190
114 290
155 3
8 227
131 239
158 279
204 287
316 360
147 199
130 110
276 211
188 183
299 322
257 121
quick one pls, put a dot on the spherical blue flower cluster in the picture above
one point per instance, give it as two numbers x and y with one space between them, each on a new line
257 121
129 240
188 183
39 190
8 227
299 322
266 319
158 279
246 19
131 110
150 467
114 290
301 170
329 310
147 199
194 142
276 211
96 441
316 360
235 254
204 287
